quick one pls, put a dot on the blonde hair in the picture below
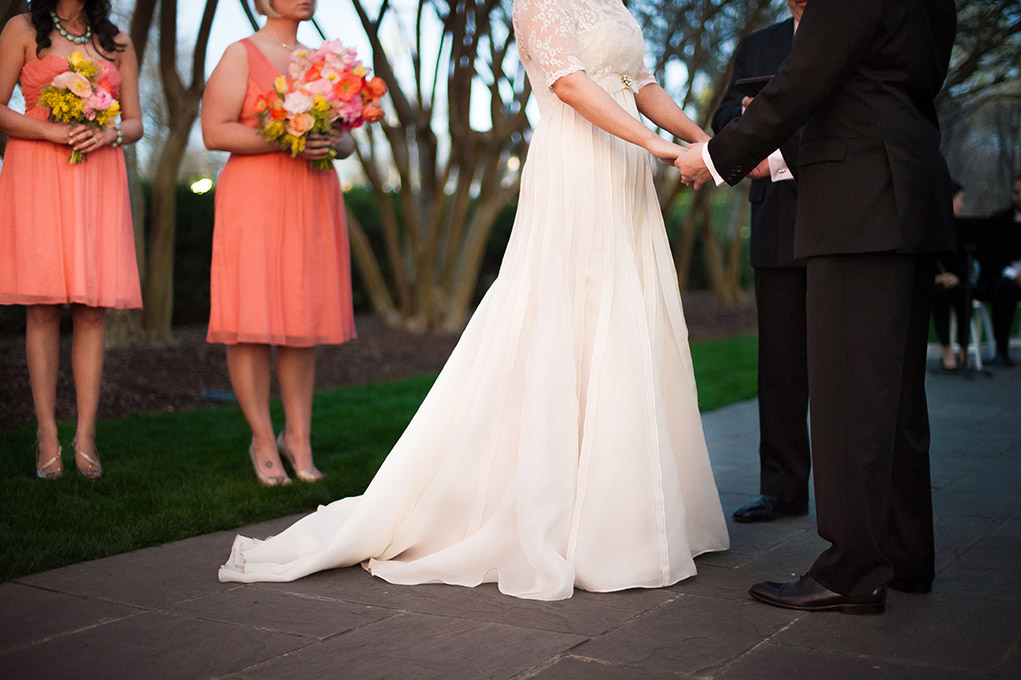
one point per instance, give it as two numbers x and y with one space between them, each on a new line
264 7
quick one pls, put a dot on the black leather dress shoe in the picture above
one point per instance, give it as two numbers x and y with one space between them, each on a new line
806 594
1002 359
906 586
766 508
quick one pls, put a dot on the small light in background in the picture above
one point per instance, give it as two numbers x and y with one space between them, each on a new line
201 186
513 163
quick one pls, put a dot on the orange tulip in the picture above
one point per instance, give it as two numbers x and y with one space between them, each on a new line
372 113
375 87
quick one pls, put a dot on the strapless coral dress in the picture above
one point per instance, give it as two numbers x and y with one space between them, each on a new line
65 230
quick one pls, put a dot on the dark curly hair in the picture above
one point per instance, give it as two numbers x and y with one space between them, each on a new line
96 11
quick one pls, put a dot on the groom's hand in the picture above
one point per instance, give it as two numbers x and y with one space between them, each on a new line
692 167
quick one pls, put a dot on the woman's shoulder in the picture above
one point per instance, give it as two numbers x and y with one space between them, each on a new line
236 53
20 26
18 36
233 63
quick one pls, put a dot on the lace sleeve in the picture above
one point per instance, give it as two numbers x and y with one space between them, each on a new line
545 34
644 78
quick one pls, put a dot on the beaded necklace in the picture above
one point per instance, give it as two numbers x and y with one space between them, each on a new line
76 39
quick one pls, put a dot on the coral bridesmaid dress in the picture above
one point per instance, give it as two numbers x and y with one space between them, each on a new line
65 230
281 271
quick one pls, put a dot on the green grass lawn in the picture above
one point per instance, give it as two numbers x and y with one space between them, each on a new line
171 476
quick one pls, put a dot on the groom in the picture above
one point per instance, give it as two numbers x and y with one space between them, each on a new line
874 206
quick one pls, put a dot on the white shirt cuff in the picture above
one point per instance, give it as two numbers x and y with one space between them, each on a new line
778 170
708 160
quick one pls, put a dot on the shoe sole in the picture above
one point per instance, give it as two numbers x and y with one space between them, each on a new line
853 609
771 518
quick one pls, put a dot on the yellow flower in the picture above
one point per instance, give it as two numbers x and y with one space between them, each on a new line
273 130
280 85
359 70
297 144
77 59
89 69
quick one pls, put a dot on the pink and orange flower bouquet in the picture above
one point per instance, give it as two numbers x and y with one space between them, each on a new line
81 95
322 87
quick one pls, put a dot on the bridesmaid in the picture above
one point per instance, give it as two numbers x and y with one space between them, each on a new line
281 272
65 230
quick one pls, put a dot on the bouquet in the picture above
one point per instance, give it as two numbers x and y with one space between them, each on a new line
323 86
81 95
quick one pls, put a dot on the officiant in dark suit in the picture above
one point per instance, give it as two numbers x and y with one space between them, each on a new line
874 206
784 453
999 277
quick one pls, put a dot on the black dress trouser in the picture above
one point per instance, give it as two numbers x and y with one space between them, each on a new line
784 453
868 320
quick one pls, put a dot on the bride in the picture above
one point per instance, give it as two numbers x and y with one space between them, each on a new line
561 446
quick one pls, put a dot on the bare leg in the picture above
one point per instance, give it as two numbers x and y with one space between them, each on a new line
87 366
42 350
296 371
249 367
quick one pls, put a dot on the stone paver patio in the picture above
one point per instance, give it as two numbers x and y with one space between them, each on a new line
160 612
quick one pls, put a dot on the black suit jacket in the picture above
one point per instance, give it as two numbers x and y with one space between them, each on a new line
774 204
861 79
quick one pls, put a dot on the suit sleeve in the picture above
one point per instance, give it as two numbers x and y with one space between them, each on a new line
831 40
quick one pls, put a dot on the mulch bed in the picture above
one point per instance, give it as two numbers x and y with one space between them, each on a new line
149 378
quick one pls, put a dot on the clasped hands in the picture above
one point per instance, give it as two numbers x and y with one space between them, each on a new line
693 168
84 138
337 143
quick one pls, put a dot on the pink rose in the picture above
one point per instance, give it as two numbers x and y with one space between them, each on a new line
300 124
297 102
100 100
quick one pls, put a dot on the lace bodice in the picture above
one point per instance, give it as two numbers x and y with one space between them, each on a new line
558 37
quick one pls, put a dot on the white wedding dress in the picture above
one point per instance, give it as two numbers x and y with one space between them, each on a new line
561 446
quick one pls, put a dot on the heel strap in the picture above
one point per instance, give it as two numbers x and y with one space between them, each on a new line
45 467
90 462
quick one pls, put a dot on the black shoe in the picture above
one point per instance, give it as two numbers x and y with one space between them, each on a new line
766 508
1002 359
807 595
903 585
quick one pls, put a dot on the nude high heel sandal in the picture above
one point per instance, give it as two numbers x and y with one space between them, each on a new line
51 469
92 469
310 475
265 479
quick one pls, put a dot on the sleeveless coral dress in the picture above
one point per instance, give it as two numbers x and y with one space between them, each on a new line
281 271
65 230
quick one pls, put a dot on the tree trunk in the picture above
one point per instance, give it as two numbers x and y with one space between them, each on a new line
159 303
434 240
183 108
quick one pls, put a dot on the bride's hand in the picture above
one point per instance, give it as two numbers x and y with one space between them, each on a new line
761 171
664 150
